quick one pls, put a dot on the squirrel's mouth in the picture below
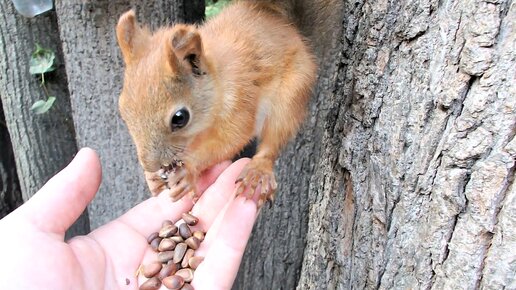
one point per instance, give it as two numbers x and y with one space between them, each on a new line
167 168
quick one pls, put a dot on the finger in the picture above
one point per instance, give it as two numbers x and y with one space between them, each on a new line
221 263
147 217
64 197
210 220
217 196
209 176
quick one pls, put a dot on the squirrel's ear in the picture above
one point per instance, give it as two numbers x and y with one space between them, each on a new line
186 48
128 33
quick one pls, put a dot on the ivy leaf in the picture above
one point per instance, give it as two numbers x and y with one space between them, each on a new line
41 106
41 61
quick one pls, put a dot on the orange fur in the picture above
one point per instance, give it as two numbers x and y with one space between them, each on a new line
246 72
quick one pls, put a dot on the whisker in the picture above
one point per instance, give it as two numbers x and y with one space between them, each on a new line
180 149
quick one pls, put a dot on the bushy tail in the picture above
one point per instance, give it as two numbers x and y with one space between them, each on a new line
311 17
283 7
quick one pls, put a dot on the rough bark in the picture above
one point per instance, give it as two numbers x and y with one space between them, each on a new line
412 185
43 144
274 255
94 67
10 193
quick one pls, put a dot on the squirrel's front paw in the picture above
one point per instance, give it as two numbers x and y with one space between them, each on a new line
258 173
182 182
155 182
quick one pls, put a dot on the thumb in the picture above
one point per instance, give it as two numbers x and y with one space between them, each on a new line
60 202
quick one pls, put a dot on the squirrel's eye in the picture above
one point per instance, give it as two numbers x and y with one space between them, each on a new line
180 119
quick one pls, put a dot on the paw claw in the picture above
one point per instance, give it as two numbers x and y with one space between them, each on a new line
181 183
177 177
178 192
193 196
156 190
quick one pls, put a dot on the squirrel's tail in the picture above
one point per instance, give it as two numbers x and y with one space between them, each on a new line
311 17
282 7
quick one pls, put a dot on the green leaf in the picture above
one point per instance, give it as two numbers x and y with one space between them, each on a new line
41 60
41 106
213 9
38 104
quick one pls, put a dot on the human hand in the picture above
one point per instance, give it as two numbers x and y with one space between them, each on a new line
35 256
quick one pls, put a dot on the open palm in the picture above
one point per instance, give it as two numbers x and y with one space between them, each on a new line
35 256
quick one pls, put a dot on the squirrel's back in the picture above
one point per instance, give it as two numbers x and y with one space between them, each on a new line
252 46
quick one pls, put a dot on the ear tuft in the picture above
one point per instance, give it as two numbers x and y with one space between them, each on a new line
187 47
127 31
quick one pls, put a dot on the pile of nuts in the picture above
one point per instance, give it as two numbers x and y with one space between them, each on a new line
176 261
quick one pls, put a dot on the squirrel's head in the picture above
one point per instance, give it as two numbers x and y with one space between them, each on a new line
168 91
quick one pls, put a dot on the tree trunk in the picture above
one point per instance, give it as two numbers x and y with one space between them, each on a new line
10 193
43 144
95 70
403 176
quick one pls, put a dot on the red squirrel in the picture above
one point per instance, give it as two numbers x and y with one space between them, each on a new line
194 96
